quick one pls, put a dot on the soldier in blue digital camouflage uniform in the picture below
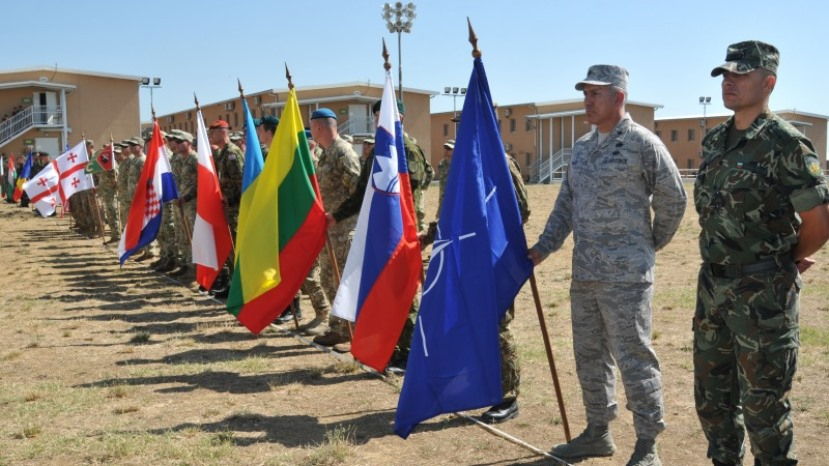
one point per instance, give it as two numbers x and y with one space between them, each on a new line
620 173
762 204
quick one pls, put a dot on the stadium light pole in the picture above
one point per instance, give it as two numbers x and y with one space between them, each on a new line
399 19
705 101
454 93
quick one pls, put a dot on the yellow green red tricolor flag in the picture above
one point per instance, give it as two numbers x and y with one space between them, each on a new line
282 230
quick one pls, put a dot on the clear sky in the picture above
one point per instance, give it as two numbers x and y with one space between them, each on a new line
534 50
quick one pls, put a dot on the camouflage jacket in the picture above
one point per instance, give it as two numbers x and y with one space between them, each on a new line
124 178
230 162
352 204
338 171
747 195
605 200
520 189
186 172
136 167
420 171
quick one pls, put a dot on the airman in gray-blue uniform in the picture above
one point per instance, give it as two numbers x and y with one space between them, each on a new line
618 175
763 206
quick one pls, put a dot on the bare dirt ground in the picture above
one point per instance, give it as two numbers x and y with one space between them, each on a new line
108 365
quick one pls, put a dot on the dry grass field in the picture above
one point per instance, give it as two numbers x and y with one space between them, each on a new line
125 366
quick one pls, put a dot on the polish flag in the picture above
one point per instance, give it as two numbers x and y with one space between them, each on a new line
211 236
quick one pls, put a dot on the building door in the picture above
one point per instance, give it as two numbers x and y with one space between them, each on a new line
360 123
46 110
48 145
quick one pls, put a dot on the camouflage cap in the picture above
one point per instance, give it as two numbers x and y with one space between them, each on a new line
237 136
605 75
347 138
368 140
744 57
136 141
180 135
449 144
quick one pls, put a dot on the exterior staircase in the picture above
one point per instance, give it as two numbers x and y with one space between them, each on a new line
552 168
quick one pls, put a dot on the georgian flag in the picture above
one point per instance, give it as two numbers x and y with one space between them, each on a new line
71 167
42 190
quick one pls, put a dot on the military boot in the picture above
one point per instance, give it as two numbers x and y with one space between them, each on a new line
644 453
594 441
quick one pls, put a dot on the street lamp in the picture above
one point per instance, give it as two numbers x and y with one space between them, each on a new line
705 102
454 92
399 19
156 82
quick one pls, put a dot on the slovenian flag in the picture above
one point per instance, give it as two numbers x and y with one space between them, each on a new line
283 229
155 187
211 236
382 271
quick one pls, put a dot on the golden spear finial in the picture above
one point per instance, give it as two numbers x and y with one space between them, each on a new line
386 65
473 39
288 77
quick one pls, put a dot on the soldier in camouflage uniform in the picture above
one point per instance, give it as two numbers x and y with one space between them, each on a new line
443 171
168 247
618 174
230 161
124 161
762 204
107 187
338 170
186 172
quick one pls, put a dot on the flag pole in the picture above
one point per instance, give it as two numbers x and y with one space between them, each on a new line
476 53
94 199
115 166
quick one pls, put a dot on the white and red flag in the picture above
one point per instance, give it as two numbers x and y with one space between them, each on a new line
155 187
211 235
70 166
43 190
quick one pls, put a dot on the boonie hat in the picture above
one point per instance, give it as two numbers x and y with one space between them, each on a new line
744 57
605 75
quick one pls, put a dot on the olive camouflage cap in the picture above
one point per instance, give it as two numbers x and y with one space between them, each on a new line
605 75
744 57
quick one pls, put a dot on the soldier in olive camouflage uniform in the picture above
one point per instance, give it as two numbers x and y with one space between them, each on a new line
420 176
230 162
443 171
338 171
107 187
618 174
762 204
186 173
124 196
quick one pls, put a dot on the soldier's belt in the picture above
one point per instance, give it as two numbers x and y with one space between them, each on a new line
741 270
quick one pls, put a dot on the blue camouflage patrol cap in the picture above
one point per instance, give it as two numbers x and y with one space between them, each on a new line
744 57
323 113
605 75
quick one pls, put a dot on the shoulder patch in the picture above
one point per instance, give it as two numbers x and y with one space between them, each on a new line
814 168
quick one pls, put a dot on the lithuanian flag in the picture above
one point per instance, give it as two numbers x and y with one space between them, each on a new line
281 227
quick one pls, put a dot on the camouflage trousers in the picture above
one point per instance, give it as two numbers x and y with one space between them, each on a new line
510 368
110 207
612 327
341 235
183 232
419 207
167 234
404 342
232 215
746 340
312 287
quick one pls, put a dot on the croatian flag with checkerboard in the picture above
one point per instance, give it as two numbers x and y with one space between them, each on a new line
155 187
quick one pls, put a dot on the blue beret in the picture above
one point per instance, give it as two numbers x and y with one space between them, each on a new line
323 113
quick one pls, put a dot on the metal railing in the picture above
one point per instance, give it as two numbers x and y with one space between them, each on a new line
548 169
36 115
357 126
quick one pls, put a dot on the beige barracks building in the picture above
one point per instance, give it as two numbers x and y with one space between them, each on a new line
48 108
683 135
351 102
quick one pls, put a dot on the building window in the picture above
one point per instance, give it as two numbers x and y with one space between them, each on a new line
691 134
528 126
512 125
445 130
690 164
529 160
659 134
674 135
